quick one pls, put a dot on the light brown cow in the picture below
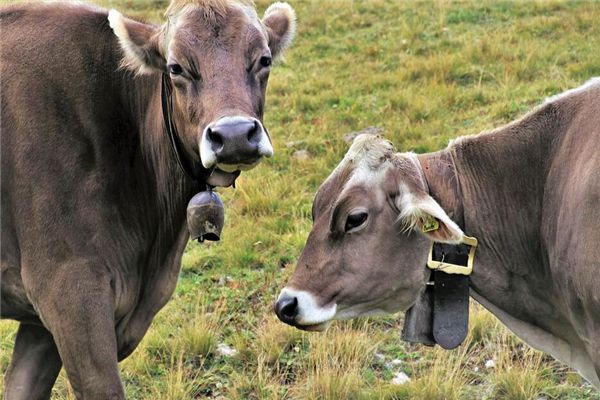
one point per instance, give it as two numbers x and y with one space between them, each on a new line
529 192
93 200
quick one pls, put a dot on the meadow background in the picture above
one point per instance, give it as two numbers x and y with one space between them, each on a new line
422 73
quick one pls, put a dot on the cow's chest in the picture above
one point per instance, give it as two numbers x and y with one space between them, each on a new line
139 299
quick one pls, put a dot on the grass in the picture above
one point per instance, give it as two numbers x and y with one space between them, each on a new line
424 72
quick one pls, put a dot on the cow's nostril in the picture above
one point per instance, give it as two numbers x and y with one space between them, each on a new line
214 137
290 310
287 309
254 133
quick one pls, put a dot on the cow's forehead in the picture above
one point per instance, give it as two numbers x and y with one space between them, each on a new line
215 23
365 158
365 163
212 10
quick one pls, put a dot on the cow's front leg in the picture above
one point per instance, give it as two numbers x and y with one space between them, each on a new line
77 305
34 366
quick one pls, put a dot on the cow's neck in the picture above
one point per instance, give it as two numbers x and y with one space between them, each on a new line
166 189
157 215
492 185
173 187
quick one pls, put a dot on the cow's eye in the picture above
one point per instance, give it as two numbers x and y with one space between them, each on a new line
355 220
266 61
175 69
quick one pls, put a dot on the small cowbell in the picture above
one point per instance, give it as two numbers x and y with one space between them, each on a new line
205 216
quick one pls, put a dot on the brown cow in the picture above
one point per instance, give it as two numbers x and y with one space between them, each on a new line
529 192
93 200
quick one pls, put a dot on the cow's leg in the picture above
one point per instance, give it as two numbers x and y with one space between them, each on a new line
78 308
34 367
595 355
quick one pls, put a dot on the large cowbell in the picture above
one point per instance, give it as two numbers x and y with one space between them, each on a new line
205 216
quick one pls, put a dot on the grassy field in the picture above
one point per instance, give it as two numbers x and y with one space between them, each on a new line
424 72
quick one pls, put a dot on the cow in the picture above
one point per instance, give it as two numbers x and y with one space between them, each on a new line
529 192
93 196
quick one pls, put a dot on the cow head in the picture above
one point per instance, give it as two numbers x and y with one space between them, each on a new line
218 55
367 251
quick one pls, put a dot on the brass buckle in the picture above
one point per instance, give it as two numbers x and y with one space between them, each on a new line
449 268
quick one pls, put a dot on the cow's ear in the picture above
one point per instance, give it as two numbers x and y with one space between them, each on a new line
140 43
426 216
280 21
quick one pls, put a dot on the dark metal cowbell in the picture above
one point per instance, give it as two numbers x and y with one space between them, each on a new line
205 216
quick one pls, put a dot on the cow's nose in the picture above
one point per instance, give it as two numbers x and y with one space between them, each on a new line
286 309
234 140
234 143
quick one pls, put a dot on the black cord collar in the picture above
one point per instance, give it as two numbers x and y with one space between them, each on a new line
167 110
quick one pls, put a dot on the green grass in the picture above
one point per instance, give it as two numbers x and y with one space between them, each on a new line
425 72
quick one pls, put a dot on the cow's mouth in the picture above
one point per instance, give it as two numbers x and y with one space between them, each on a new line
221 178
315 327
239 166
224 175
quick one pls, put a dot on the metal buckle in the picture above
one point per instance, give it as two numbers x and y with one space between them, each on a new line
451 268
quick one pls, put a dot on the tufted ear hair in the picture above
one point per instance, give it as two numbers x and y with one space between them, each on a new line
422 213
280 21
140 43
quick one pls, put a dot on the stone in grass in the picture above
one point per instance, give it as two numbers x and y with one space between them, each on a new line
224 280
294 143
301 155
400 379
225 350
490 364
372 130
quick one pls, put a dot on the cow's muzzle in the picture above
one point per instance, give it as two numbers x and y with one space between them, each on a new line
300 309
234 144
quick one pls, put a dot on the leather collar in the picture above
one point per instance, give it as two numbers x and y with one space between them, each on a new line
441 313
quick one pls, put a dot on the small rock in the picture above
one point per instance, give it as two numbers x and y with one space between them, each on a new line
490 364
301 155
225 350
294 143
372 130
379 356
396 362
224 280
476 369
400 379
